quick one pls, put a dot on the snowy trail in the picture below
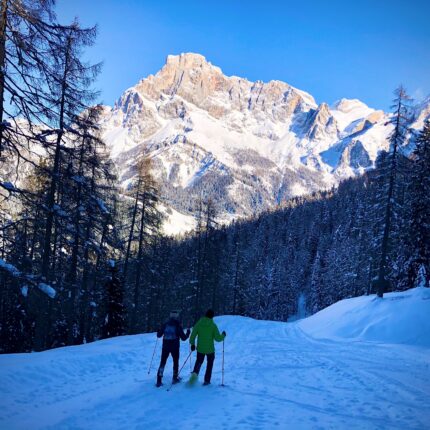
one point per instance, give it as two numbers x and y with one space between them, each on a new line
361 363
276 376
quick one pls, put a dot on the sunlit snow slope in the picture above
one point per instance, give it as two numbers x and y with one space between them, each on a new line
303 375
398 318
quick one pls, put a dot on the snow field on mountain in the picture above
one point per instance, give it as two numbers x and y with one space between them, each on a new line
176 223
302 375
347 112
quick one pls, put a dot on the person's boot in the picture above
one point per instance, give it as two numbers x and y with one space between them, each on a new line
206 383
193 378
176 379
159 381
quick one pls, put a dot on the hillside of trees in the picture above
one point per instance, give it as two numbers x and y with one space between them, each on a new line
81 259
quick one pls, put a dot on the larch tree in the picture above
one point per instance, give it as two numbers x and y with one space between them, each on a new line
145 224
70 82
400 121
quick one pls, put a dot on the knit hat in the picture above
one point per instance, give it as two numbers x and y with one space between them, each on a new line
210 313
174 314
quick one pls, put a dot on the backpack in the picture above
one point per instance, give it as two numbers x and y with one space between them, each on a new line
170 331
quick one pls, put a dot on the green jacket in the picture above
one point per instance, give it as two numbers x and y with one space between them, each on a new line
206 331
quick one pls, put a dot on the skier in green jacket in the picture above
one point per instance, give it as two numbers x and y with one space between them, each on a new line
206 332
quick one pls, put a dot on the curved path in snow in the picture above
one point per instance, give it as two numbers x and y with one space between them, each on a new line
276 377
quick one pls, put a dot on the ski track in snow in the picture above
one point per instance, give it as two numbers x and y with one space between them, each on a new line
276 377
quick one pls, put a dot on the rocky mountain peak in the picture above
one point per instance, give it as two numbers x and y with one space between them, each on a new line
190 78
321 124
323 109
248 145
188 60
347 105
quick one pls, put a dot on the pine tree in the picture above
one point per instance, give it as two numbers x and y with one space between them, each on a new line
237 272
70 81
400 121
315 300
145 224
114 321
26 29
418 232
88 201
204 259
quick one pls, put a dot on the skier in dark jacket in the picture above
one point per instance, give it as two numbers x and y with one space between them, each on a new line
172 333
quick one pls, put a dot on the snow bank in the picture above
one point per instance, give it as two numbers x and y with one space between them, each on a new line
402 318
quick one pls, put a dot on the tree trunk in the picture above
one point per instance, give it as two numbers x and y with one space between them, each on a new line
55 170
130 236
3 24
73 274
388 211
136 300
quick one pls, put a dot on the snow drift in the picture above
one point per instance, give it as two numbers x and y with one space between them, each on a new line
397 318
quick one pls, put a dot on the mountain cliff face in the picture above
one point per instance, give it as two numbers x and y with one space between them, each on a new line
247 145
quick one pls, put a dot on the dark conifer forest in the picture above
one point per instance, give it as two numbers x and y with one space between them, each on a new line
82 258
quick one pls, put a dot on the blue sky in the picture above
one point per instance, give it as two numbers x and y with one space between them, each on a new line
332 49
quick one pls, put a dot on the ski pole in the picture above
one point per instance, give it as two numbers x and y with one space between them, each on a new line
191 361
152 359
185 362
222 383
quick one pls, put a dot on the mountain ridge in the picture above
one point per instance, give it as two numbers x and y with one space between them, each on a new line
247 145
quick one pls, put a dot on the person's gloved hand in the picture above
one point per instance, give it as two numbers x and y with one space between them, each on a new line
193 347
224 333
188 332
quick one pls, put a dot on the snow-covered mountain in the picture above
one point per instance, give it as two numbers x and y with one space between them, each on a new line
248 145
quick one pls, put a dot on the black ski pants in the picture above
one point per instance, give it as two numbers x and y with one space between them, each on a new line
209 365
165 352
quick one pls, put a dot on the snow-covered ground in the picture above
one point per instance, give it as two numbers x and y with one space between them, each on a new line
176 223
302 375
